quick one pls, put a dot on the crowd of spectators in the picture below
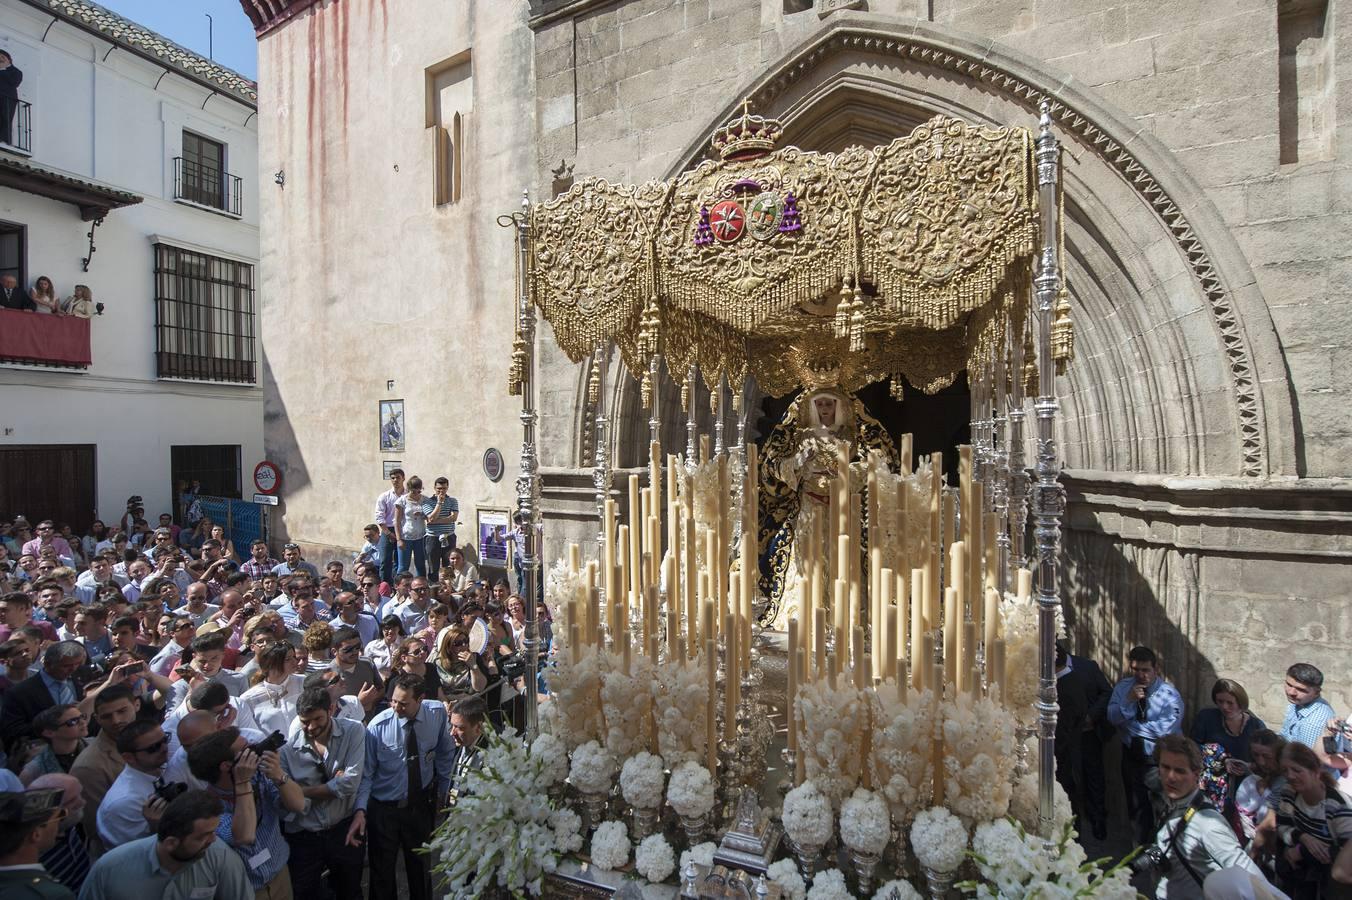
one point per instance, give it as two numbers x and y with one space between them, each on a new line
1234 808
42 298
221 723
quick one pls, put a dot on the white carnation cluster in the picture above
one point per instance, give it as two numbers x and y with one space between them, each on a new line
700 855
503 830
865 825
829 885
641 781
831 736
680 709
592 769
610 846
1023 804
901 758
690 790
704 502
1014 865
561 586
939 839
553 755
626 704
574 716
654 859
897 890
979 758
1022 653
784 873
807 815
918 486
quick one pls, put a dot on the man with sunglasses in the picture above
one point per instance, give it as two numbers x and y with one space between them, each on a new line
206 711
47 537
349 614
355 673
131 809
413 611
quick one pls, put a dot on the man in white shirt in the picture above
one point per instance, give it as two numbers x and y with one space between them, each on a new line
100 571
180 638
130 809
224 710
413 611
385 520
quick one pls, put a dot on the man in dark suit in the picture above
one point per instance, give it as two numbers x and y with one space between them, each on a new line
11 296
467 732
1082 725
10 79
53 684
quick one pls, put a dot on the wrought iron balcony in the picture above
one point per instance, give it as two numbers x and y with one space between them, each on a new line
16 133
196 182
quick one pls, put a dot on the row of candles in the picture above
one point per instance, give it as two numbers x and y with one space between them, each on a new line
956 603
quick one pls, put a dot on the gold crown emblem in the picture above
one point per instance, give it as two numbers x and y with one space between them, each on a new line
821 373
746 135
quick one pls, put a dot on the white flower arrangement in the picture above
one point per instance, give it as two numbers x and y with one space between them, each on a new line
807 815
939 839
700 855
679 695
654 859
641 781
901 759
503 831
553 754
610 846
574 714
1023 804
592 769
1023 653
690 791
1014 865
831 736
626 704
829 885
784 872
979 758
567 828
918 486
704 502
865 825
562 586
897 890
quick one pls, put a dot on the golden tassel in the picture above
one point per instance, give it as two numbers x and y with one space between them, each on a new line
594 383
646 391
685 397
897 389
857 320
1030 374
1063 333
517 371
841 324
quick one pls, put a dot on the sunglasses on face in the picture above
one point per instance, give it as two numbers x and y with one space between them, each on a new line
155 747
458 645
75 721
351 649
416 651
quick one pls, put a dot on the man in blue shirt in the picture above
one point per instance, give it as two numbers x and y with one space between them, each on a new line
1144 708
1307 713
409 757
292 563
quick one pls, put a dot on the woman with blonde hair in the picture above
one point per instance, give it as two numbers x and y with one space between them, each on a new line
410 658
318 640
44 296
276 688
462 670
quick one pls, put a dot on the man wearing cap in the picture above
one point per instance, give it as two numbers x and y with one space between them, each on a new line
68 859
29 825
293 563
182 859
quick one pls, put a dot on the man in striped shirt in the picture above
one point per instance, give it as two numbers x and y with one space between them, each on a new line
67 860
442 511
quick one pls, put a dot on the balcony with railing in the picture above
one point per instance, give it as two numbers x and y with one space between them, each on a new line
16 126
34 339
203 185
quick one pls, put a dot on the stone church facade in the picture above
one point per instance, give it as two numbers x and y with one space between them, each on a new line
1205 427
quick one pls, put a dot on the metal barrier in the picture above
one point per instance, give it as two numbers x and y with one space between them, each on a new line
244 521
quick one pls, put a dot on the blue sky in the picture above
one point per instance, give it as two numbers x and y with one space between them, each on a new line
184 22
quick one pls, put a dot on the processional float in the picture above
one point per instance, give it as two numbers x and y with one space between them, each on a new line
907 605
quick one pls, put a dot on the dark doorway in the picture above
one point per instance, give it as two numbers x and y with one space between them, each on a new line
214 466
937 423
49 481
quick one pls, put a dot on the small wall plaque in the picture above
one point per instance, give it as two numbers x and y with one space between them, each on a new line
493 464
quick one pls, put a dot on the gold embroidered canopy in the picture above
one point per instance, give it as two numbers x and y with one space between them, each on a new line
800 268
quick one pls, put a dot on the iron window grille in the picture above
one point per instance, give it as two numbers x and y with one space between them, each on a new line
20 127
206 185
204 317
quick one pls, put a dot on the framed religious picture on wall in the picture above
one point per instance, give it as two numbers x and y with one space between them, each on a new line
387 466
393 428
494 524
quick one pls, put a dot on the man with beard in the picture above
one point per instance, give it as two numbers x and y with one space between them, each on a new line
182 859
67 861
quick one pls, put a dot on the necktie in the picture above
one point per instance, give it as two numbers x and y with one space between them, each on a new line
1140 710
414 758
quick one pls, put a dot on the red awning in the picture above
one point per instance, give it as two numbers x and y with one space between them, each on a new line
30 337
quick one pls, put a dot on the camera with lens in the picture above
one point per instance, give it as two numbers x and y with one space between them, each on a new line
1150 861
513 666
272 742
169 790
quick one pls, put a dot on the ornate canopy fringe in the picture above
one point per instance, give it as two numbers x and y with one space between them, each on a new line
801 268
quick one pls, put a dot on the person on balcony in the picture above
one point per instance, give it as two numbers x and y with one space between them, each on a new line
10 79
10 295
44 297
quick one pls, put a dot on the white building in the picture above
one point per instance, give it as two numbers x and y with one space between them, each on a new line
121 129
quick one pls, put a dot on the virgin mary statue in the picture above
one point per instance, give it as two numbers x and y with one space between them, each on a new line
800 459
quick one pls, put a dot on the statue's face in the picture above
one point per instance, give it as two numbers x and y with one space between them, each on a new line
826 410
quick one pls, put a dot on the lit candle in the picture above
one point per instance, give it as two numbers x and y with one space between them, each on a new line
889 661
970 681
711 708
793 683
818 643
995 670
992 618
730 680
574 558
905 455
800 760
903 675
857 659
1025 584
951 628
635 542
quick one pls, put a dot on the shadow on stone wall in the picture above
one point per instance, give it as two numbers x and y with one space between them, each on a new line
1119 594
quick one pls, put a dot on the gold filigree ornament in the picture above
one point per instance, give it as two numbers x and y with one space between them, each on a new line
911 259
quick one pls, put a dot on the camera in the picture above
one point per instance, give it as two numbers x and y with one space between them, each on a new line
272 742
1150 861
513 666
169 790
1331 744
